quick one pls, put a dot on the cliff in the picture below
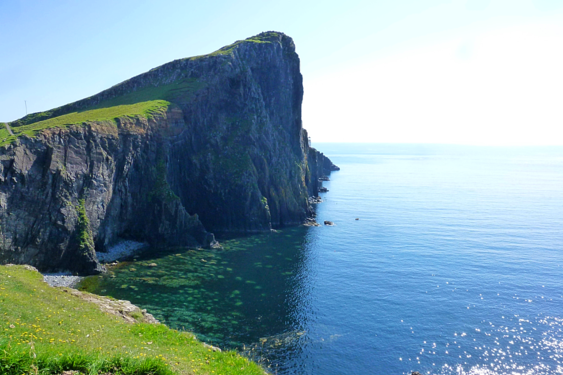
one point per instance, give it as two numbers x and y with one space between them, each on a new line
211 142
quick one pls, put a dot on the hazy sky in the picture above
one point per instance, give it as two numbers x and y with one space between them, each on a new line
424 71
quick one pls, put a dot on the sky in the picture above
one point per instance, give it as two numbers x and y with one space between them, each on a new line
484 72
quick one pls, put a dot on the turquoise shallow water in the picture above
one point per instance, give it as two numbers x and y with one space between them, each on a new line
455 266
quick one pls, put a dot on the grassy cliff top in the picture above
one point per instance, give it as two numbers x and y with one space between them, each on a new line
144 102
136 102
109 114
265 37
48 331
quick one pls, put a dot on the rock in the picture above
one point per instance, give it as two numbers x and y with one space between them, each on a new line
123 249
311 222
416 373
329 223
152 265
62 279
213 348
357 218
25 266
276 341
323 190
315 200
319 166
324 178
229 154
123 309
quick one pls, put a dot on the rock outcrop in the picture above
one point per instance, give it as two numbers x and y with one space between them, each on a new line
228 154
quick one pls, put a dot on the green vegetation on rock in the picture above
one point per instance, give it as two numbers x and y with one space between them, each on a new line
184 89
45 330
161 189
5 136
144 101
84 233
227 50
106 114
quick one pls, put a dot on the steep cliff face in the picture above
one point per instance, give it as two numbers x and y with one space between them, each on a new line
226 152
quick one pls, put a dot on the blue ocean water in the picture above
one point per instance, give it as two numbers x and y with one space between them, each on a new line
455 266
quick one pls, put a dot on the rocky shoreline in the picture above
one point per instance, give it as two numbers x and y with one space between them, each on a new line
120 251
65 279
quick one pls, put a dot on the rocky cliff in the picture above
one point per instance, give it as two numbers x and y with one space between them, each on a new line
211 142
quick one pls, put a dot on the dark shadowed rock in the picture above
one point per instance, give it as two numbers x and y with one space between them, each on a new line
228 154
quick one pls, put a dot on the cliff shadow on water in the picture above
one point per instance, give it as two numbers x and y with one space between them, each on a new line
205 144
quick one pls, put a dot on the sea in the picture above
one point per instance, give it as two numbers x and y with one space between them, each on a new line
442 259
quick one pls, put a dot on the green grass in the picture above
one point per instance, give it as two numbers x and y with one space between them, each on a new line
227 50
5 136
86 241
173 92
44 330
145 102
107 114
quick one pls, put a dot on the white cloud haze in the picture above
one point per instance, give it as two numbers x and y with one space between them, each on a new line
502 87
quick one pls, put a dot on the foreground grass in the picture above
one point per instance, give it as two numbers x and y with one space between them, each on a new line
44 330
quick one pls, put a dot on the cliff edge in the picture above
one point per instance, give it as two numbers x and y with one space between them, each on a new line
207 143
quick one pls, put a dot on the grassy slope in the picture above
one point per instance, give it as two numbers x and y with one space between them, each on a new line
145 109
45 329
138 103
227 50
144 102
5 136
